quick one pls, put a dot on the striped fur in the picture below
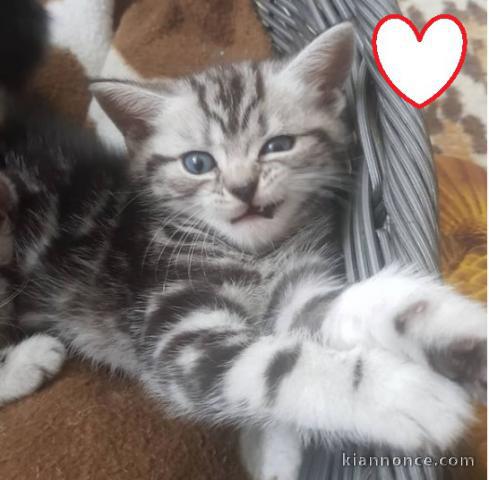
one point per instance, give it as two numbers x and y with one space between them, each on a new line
29 364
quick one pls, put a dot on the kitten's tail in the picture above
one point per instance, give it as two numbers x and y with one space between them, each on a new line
23 39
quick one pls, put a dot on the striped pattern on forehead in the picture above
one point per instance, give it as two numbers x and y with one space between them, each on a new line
229 95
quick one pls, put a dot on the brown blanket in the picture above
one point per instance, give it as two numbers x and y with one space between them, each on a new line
88 425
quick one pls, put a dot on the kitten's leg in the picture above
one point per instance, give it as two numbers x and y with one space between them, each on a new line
212 365
26 366
271 453
395 310
377 314
299 299
417 317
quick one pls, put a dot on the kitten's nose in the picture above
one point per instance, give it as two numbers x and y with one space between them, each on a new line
245 192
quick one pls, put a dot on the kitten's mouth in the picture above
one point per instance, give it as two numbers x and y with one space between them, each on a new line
265 211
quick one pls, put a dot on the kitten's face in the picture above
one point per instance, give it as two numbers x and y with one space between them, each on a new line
242 149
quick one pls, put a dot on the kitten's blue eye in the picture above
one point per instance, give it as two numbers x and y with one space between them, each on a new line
198 162
278 144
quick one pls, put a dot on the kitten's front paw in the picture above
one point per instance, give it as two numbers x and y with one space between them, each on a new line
422 319
464 362
30 364
451 332
423 409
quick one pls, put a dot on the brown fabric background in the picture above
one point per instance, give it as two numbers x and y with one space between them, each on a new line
87 425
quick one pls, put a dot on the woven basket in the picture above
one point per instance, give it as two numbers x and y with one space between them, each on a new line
393 213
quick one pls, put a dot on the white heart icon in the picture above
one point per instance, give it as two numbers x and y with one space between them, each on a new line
419 66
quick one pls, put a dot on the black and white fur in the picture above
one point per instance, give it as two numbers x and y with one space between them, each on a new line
223 293
26 366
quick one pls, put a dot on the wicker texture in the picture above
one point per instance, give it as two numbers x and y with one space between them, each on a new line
393 214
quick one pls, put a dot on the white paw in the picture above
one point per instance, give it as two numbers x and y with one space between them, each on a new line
418 409
271 453
420 318
30 364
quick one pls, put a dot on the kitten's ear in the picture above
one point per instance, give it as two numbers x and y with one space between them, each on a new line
131 106
326 62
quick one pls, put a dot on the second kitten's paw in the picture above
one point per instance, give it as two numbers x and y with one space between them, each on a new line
29 365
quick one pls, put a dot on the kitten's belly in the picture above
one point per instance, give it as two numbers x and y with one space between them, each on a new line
83 316
100 311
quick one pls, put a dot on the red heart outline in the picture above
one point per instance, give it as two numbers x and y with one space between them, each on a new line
419 37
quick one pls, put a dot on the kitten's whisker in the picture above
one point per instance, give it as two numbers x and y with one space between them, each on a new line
161 229
173 258
193 222
12 296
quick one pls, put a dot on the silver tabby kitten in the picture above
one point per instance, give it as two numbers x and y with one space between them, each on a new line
209 269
